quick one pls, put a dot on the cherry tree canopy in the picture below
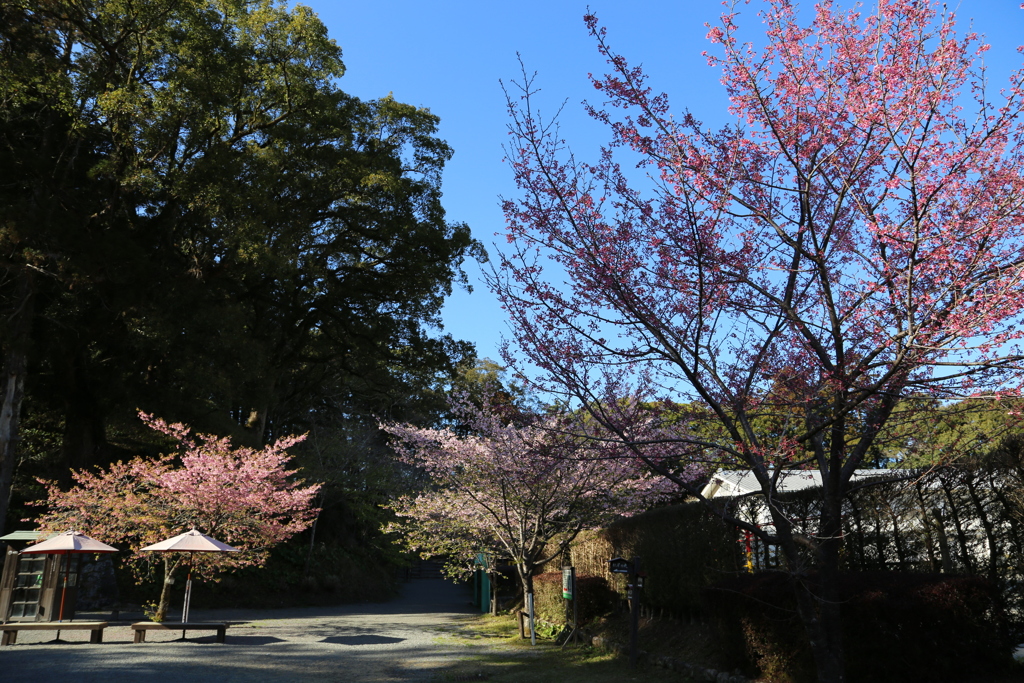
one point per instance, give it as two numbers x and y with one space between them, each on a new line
243 496
852 242
521 491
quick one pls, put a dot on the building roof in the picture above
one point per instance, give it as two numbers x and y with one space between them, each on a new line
725 483
21 536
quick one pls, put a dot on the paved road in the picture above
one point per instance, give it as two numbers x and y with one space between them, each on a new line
406 640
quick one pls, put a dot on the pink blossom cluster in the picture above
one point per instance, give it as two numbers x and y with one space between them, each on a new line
522 491
854 241
847 254
242 496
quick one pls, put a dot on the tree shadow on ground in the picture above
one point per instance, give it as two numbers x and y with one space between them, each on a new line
361 640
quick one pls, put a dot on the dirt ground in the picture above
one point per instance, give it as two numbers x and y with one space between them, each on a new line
407 639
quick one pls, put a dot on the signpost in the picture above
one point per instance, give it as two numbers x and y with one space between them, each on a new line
619 565
529 612
569 593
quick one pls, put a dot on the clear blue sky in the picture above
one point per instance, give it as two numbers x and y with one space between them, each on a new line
448 56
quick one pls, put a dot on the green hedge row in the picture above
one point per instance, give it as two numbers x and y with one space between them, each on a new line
683 549
896 627
594 598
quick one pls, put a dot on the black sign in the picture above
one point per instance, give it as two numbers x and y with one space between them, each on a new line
620 565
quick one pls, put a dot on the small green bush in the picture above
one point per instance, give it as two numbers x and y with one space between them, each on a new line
896 627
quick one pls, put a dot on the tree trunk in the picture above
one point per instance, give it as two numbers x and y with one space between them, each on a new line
940 532
526 579
986 523
15 370
170 569
84 419
897 539
259 417
961 535
820 617
830 661
926 526
860 538
817 598
312 539
494 592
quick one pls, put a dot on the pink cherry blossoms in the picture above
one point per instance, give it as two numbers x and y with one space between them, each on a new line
850 247
244 497
520 491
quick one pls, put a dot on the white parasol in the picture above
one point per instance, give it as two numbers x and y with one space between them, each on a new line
190 542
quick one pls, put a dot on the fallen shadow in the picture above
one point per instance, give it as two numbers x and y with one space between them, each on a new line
361 640
253 640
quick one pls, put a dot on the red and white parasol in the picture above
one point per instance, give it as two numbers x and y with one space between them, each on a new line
68 543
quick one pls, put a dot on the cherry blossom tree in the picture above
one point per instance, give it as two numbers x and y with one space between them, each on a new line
522 488
852 243
242 496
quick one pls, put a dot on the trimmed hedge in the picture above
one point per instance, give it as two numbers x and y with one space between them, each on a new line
595 598
896 627
683 549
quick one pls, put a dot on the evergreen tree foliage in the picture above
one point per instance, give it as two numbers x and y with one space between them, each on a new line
197 221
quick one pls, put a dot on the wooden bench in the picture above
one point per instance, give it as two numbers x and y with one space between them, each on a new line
141 627
11 630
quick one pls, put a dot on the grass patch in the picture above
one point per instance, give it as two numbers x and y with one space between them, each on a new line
695 643
506 658
503 626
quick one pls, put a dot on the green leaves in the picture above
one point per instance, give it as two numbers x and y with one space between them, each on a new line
223 233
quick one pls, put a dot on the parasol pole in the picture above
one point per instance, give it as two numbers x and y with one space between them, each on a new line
64 590
188 592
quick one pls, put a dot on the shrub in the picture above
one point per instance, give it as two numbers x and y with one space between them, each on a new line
758 627
595 598
923 627
683 549
896 627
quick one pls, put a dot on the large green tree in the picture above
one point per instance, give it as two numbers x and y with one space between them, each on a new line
196 220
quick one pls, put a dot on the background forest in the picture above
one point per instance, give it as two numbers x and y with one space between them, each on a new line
195 221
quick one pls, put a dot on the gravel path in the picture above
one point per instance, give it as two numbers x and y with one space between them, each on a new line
407 639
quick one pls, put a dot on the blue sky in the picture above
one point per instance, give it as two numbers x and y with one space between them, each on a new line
449 57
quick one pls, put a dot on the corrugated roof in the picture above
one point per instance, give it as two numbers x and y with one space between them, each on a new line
21 536
743 482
